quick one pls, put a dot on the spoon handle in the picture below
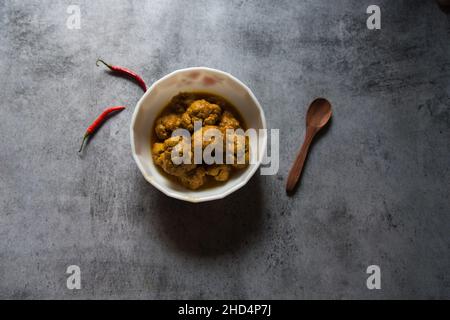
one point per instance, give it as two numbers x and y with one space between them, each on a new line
297 168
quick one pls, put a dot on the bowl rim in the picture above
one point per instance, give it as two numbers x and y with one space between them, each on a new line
188 198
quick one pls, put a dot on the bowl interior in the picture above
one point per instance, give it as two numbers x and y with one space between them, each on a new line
188 80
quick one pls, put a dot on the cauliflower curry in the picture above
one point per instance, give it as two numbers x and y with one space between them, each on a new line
213 112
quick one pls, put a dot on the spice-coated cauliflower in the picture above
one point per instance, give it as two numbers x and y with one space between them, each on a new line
206 136
181 102
237 145
194 179
228 121
203 111
166 125
220 172
162 155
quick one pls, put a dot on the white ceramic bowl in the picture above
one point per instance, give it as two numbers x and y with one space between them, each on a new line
188 80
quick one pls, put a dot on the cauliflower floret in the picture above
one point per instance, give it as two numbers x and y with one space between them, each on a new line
157 149
220 172
204 138
241 165
181 102
162 155
166 124
228 121
237 145
194 179
203 111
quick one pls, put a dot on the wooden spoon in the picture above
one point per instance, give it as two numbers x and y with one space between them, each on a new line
319 113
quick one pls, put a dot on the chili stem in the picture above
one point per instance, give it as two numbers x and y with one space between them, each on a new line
101 61
86 135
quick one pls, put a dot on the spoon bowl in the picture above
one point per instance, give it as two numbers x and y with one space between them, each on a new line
319 113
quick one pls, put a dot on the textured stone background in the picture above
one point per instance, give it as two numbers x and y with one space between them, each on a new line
375 189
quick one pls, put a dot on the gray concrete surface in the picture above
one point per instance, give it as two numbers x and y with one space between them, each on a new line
375 189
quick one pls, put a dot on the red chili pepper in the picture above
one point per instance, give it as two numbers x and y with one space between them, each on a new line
126 72
97 123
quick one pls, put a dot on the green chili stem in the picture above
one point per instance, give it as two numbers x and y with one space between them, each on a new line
86 135
106 64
